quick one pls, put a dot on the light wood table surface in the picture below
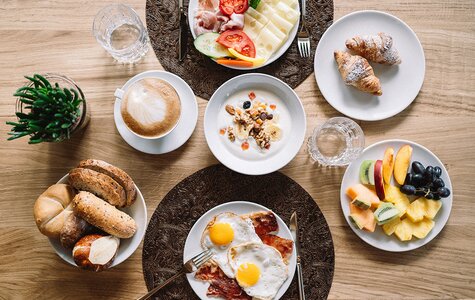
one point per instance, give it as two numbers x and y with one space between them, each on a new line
55 36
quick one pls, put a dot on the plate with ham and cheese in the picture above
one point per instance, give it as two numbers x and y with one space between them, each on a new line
243 34
253 253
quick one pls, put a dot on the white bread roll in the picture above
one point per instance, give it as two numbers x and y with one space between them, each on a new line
101 214
52 209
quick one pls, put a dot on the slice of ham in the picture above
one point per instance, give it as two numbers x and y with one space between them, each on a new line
235 22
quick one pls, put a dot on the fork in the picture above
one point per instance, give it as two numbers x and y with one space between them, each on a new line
189 267
303 38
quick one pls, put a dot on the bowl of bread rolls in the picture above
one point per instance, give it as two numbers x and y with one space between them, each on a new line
95 216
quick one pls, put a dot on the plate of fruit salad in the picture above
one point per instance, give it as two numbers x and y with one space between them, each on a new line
397 196
243 34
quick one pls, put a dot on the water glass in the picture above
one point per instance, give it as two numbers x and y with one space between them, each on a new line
337 142
118 28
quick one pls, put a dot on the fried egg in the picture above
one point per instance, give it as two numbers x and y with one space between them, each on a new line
259 269
224 231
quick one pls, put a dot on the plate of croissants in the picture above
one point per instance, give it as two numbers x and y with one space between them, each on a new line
95 216
369 65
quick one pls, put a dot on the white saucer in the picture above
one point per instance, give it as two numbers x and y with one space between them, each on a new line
193 245
378 238
400 84
179 135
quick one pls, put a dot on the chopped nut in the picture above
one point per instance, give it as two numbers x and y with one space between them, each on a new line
231 136
230 109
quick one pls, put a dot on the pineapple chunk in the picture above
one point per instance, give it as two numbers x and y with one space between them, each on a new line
432 208
423 207
421 229
391 226
416 211
394 195
404 230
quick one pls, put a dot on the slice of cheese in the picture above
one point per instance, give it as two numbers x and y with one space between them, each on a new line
252 27
287 12
283 25
292 3
276 31
256 15
267 43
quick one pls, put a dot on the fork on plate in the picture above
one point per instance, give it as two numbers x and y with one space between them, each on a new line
189 267
303 38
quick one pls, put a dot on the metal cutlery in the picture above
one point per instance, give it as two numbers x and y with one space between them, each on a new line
189 267
294 229
182 38
303 37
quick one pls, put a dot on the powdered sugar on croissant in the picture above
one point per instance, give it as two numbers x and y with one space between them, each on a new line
378 48
356 71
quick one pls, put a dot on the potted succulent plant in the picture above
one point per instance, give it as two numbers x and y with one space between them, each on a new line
49 112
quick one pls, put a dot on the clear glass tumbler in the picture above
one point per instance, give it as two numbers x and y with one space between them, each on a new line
118 28
337 142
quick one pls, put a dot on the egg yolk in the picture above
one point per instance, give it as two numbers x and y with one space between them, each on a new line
248 274
221 234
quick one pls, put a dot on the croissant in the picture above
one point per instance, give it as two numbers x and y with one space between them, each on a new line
378 48
356 71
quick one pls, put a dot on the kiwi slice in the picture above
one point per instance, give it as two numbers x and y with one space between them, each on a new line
385 213
364 171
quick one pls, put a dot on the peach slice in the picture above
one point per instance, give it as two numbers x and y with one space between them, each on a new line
388 164
401 163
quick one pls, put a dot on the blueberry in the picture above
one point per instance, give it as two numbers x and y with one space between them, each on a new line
246 104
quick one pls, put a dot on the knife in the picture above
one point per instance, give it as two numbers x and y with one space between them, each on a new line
182 38
294 229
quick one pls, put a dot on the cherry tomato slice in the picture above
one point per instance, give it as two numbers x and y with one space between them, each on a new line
228 7
239 41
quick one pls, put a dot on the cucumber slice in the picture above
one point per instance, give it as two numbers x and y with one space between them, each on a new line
206 44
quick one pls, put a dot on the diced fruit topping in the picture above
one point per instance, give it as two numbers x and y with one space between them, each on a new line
222 131
386 212
363 193
273 106
252 95
245 146
246 104
378 179
364 169
388 164
401 164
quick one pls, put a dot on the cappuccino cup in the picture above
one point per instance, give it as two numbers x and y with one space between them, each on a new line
150 108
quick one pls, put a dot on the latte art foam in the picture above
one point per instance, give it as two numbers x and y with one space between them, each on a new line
151 107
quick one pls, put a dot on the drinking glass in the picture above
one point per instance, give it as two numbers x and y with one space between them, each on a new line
119 30
337 142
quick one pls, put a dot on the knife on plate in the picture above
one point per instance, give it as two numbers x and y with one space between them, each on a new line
294 229
182 38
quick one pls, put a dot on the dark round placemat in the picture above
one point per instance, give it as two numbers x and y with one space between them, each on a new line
172 220
205 76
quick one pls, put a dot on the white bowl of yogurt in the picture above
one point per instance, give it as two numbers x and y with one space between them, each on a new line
249 154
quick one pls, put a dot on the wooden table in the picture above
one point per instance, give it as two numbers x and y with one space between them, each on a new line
55 36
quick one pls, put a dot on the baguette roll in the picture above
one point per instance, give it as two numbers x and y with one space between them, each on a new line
101 214
99 184
115 173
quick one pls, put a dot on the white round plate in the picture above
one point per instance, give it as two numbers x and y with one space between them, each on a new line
138 211
251 162
192 7
193 240
182 132
378 238
400 84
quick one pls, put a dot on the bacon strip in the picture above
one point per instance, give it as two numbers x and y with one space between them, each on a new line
284 246
264 223
220 284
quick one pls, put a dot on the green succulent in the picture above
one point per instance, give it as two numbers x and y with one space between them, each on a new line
48 111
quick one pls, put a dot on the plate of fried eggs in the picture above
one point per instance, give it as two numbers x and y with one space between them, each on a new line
253 253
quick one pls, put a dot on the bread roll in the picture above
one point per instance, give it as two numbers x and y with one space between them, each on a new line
73 229
115 173
99 184
52 208
101 214
95 252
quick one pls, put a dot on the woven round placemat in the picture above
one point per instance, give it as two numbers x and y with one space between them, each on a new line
172 220
205 76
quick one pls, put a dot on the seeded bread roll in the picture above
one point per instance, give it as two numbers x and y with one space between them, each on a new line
115 173
101 214
99 184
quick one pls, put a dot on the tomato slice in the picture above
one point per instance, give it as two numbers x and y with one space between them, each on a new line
239 41
228 7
